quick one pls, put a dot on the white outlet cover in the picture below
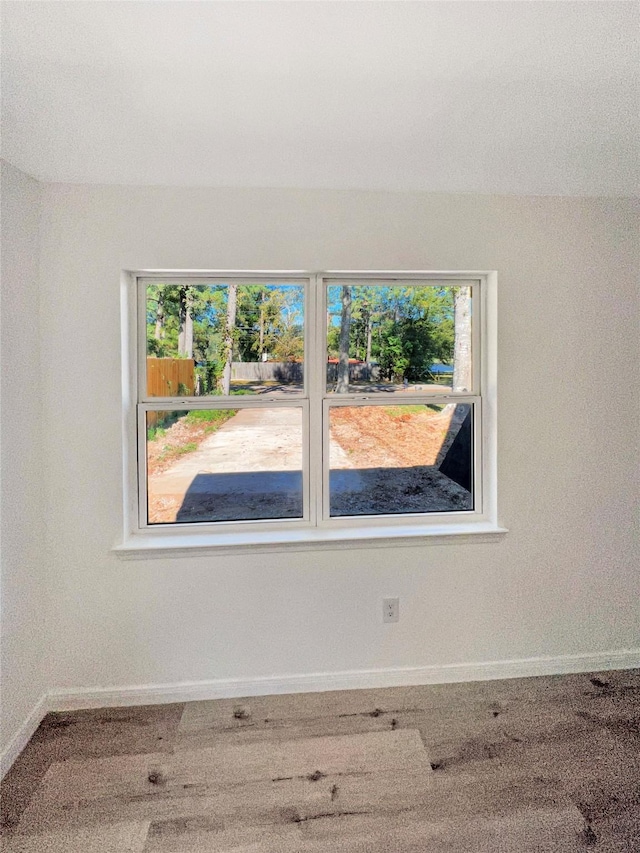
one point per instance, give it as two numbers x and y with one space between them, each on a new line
391 610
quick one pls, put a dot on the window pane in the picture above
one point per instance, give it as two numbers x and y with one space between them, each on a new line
224 464
400 459
398 338
205 339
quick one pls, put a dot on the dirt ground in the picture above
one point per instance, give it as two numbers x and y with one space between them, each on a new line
388 436
396 452
383 460
371 436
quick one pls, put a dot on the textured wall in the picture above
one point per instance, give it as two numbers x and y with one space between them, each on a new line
24 559
564 580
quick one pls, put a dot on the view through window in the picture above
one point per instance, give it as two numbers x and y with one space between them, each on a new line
307 400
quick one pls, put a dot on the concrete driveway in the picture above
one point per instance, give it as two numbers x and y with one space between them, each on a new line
250 468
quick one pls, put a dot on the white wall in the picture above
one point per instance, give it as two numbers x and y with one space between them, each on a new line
23 557
564 581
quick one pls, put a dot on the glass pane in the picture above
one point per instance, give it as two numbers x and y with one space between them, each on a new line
398 338
205 339
400 459
224 464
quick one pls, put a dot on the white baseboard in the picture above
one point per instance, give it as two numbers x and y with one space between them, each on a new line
24 734
186 691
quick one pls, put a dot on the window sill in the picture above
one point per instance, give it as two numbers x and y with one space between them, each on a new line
141 546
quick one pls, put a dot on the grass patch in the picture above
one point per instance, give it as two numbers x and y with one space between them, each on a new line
156 432
172 451
209 416
164 422
398 411
199 422
189 447
187 432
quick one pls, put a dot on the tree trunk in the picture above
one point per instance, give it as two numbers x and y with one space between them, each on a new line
342 385
185 323
160 316
462 344
227 350
261 341
188 325
369 337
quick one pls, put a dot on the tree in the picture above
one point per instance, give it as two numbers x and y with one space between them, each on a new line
393 360
253 316
289 345
279 334
342 385
364 314
162 307
185 322
427 329
462 339
160 314
262 322
264 316
227 345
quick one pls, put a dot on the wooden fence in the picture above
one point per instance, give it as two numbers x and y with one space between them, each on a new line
168 377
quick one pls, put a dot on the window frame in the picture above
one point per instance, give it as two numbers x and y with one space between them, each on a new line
315 528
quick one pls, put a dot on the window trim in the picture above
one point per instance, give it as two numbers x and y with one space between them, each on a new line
312 532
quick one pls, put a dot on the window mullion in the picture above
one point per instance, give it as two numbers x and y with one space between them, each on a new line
316 348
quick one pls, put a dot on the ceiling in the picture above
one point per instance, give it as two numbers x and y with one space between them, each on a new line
506 97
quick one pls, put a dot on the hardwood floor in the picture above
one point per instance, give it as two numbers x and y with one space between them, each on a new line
538 764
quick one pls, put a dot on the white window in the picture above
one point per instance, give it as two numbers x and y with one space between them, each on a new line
270 408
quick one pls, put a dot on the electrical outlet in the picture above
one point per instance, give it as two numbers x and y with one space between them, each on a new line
390 610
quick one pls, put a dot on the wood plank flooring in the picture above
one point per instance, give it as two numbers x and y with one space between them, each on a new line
538 764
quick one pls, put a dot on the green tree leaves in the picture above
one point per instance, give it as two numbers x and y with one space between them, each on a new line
197 321
403 329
